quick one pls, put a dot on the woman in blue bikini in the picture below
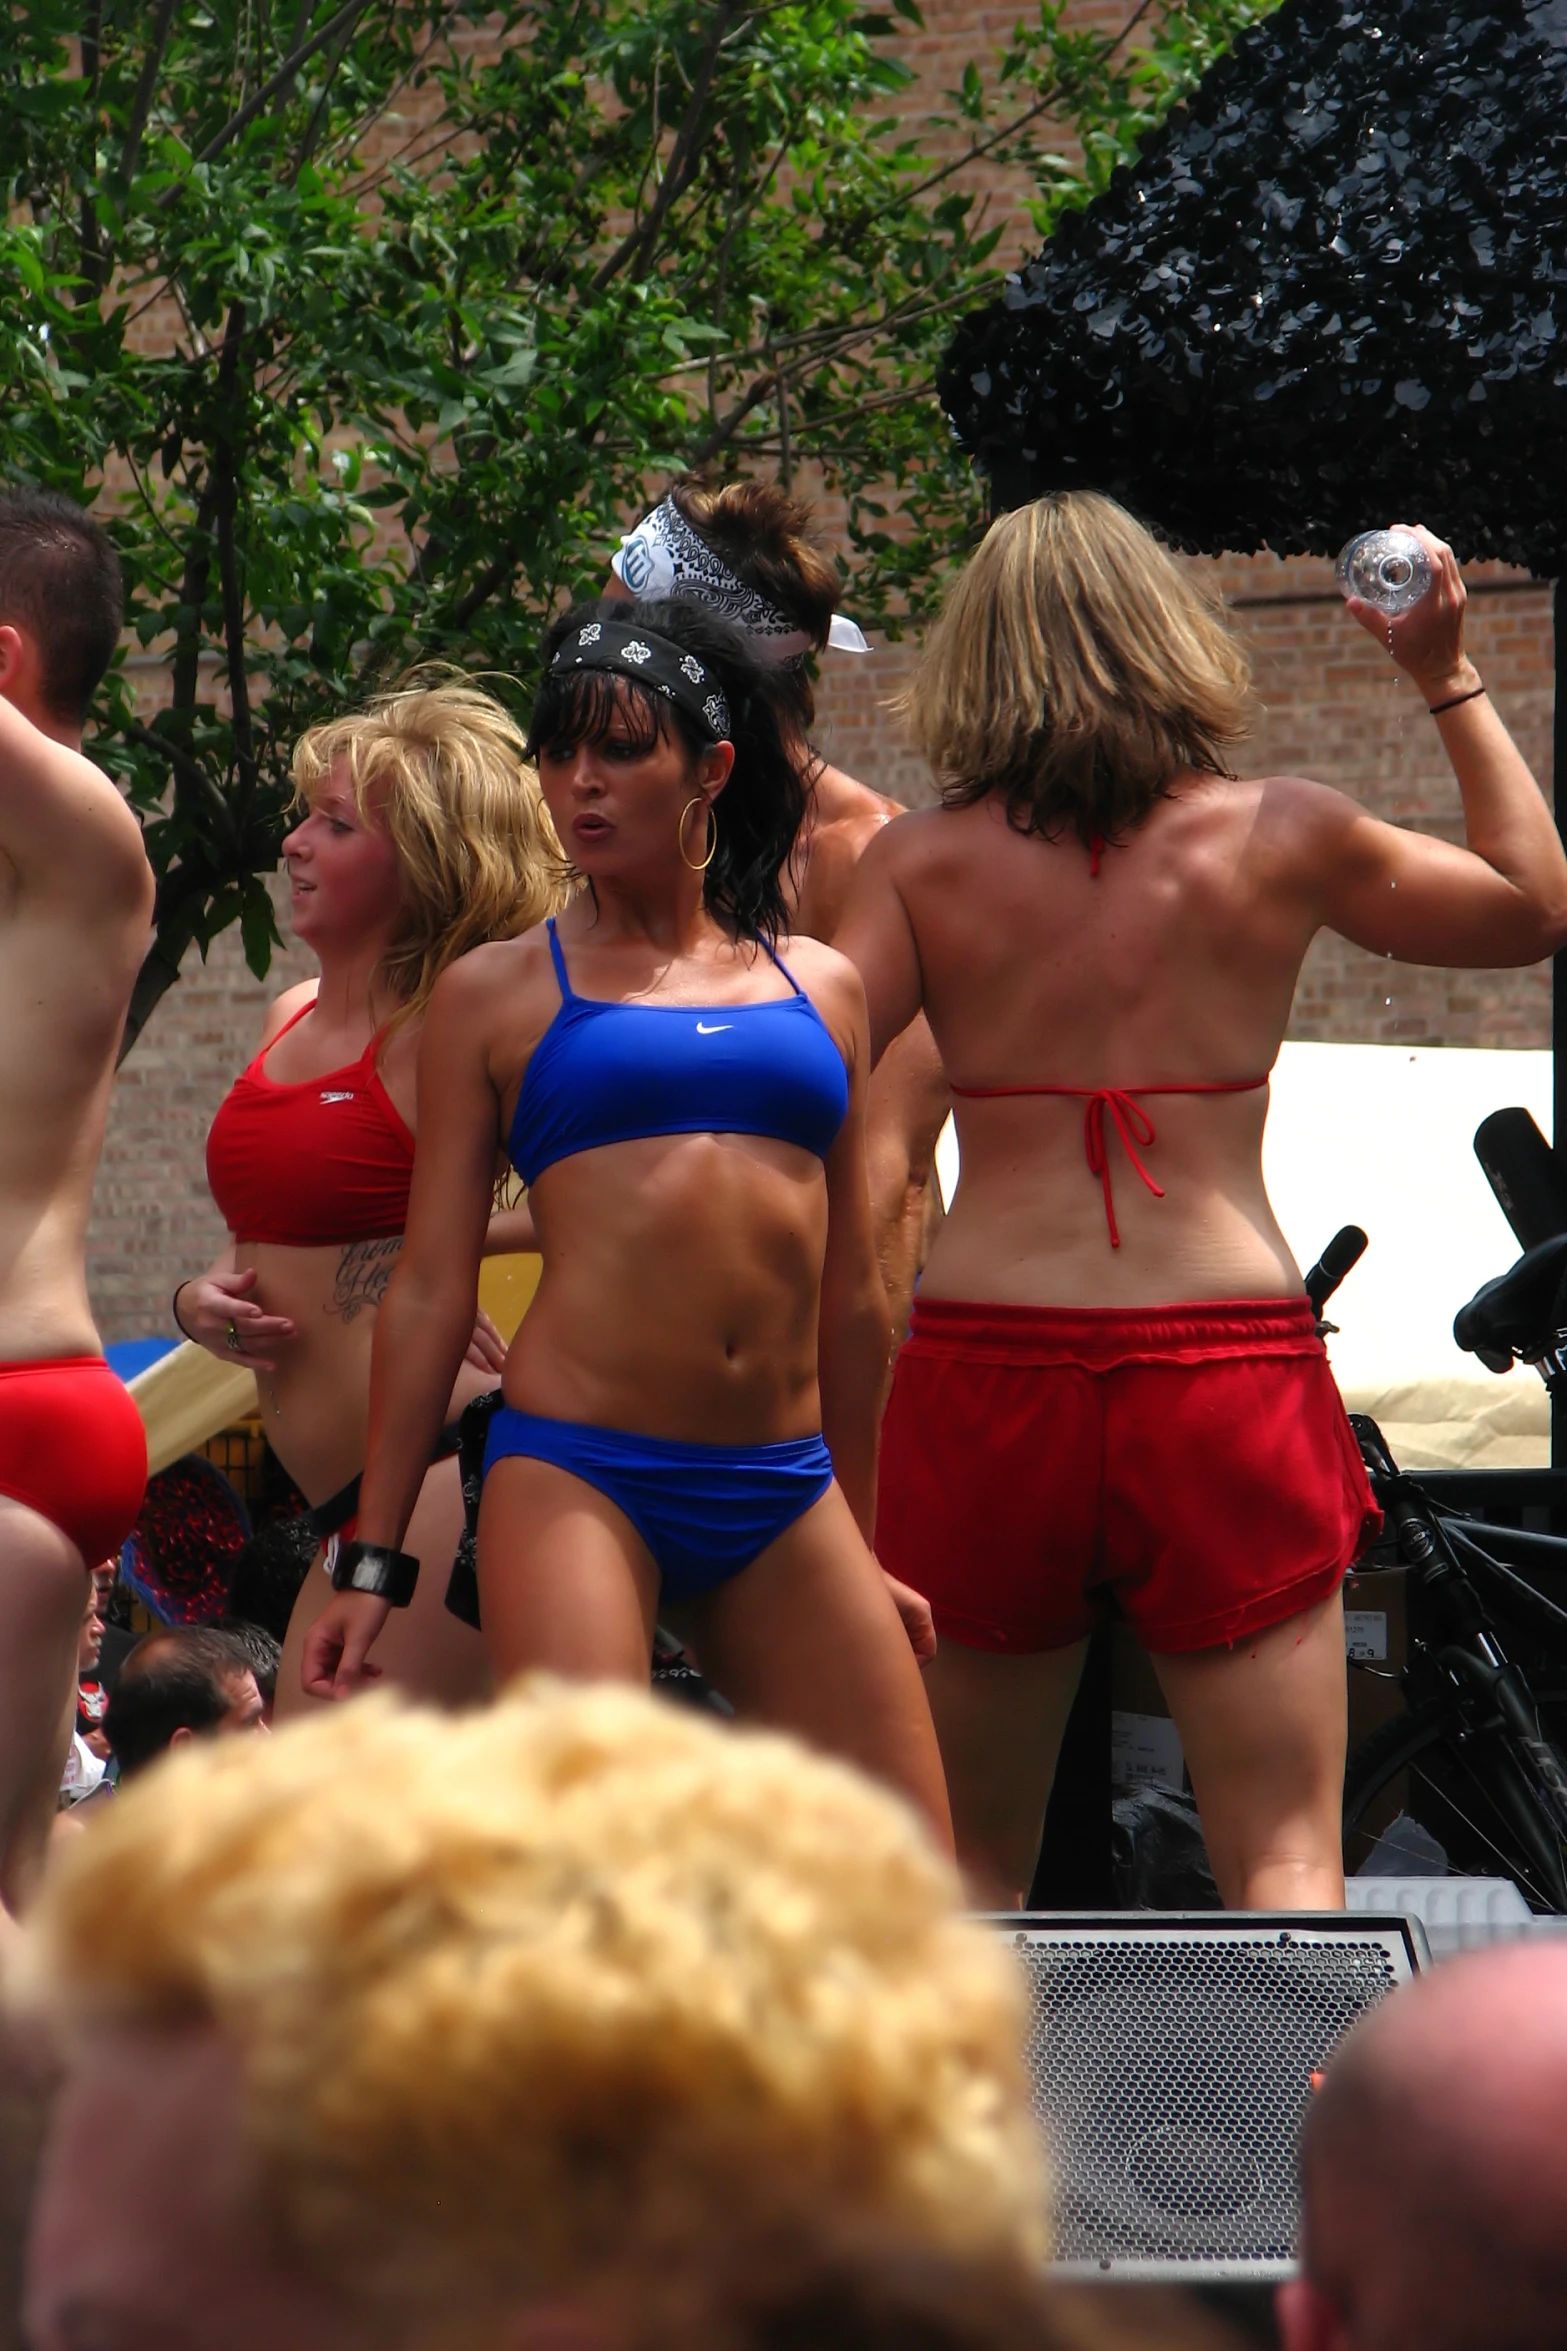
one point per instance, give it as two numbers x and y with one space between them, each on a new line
689 1426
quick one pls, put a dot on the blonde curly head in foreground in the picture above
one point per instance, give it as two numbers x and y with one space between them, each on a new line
524 1995
440 765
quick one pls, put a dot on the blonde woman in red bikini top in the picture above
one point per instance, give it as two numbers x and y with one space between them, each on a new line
420 834
1114 1397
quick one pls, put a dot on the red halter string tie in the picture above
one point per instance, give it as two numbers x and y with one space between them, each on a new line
1132 1124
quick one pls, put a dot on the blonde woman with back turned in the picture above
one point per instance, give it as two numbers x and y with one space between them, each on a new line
1114 1390
421 835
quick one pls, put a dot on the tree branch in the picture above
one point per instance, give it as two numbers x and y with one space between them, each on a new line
146 89
182 894
226 491
312 130
93 259
494 576
187 768
684 156
269 90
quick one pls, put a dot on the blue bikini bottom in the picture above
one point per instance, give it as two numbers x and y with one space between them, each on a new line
704 1511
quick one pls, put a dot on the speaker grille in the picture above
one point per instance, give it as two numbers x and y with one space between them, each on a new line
1171 2069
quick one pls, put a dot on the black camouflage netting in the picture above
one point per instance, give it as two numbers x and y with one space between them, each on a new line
1331 293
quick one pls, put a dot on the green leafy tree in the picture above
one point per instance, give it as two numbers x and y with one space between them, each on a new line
367 327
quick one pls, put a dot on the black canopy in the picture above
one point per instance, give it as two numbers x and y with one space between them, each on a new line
1333 290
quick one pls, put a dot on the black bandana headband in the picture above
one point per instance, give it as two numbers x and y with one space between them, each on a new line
654 662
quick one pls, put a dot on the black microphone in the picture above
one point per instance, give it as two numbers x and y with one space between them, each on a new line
1525 1174
1346 1248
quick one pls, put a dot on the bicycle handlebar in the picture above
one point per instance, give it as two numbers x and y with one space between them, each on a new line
1345 1250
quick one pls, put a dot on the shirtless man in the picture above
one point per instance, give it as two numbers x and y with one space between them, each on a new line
748 549
76 899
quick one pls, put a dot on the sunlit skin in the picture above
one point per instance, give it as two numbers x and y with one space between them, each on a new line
304 1317
75 922
715 1288
908 1099
192 2266
1177 962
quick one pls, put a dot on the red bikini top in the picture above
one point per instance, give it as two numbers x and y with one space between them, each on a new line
314 1164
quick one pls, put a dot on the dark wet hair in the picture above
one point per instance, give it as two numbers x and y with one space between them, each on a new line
60 580
763 804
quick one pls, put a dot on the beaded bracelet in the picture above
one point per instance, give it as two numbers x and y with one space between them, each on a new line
1436 708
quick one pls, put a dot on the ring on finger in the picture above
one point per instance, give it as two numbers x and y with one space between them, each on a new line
233 1340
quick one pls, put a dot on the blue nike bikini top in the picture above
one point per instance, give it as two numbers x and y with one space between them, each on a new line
614 1073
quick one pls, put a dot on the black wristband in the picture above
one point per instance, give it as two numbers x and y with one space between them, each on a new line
1436 708
174 1308
377 1569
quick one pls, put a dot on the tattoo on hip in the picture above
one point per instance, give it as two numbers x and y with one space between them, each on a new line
363 1271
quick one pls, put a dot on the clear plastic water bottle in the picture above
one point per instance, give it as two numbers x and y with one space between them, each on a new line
1389 569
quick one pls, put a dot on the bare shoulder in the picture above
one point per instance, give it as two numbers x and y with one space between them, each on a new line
64 823
1298 818
285 1008
840 799
919 836
830 980
510 981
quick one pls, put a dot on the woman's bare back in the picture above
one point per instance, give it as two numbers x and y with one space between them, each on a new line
1172 965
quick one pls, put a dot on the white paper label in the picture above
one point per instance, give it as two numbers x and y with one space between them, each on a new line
1365 1635
1145 1752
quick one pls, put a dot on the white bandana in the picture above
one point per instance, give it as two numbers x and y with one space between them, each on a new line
664 556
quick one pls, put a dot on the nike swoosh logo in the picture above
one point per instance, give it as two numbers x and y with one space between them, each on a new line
716 1030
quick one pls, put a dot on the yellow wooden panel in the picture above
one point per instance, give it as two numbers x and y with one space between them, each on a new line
187 1397
506 1287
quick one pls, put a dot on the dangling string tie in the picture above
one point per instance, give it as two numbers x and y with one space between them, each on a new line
1134 1126
1096 850
1132 1123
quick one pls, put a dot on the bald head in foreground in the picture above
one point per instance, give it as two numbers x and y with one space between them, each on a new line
1434 2169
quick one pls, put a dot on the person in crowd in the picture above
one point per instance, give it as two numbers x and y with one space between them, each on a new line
749 550
76 897
88 1752
188 1682
691 1405
1434 2169
420 836
1114 1392
264 1654
437 2030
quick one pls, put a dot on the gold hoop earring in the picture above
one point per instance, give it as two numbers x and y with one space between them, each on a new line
712 834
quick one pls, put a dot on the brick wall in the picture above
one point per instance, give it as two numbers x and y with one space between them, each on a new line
1327 706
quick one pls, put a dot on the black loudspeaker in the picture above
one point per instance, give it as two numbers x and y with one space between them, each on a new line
1172 2057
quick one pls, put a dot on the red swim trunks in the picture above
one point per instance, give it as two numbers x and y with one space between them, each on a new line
72 1447
1190 1465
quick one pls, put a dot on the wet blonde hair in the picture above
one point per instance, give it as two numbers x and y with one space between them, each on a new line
440 766
1075 671
578 1979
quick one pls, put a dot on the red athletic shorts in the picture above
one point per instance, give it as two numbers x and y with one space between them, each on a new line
72 1447
1189 1466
